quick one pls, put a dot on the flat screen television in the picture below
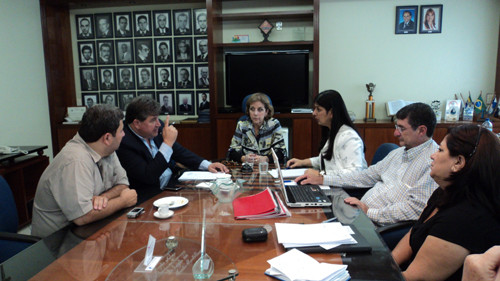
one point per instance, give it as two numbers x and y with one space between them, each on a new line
282 75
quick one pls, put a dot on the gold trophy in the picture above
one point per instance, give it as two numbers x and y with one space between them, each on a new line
370 104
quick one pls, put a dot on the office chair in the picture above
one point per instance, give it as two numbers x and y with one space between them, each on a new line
244 107
11 243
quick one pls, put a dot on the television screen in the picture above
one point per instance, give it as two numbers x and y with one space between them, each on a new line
282 75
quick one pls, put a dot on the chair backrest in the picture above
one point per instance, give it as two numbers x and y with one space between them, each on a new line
244 107
382 151
8 212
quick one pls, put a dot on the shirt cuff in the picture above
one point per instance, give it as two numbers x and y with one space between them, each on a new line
328 180
204 165
166 151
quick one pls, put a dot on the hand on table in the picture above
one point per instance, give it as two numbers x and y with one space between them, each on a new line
217 167
310 179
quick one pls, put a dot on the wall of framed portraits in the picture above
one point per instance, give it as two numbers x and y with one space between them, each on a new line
159 51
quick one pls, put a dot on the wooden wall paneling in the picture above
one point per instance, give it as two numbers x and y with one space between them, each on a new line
301 139
196 137
376 136
225 130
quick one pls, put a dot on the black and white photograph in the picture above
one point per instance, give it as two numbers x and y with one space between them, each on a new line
142 23
184 75
123 28
107 78
203 99
185 101
182 22
106 52
104 25
125 98
431 18
149 94
85 26
163 49
87 52
166 99
164 77
126 78
202 76
145 77
90 99
183 49
406 19
201 49
161 20
124 51
200 21
109 98
143 51
88 78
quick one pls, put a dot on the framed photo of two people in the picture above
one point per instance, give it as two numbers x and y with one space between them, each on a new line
430 19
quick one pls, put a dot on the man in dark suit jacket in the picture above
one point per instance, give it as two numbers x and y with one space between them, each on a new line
407 23
149 157
89 83
185 107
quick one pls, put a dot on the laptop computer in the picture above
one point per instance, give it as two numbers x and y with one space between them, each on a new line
301 195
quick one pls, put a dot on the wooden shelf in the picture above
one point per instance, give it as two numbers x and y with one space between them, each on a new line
266 44
269 15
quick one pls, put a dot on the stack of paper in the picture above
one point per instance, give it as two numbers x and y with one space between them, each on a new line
326 235
200 176
295 265
262 205
287 173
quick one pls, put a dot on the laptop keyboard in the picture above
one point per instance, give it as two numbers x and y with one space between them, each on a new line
300 194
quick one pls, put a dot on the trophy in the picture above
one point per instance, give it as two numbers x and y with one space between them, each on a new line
370 104
266 27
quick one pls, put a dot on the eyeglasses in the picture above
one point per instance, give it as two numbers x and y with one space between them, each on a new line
477 142
400 129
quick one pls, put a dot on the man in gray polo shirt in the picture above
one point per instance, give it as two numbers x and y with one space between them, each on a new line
85 182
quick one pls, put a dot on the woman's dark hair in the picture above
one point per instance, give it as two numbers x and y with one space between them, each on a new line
478 181
332 100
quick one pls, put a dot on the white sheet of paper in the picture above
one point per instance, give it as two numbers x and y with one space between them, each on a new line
288 173
203 185
312 234
202 175
149 250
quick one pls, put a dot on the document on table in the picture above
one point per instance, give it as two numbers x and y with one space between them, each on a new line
202 175
326 235
288 173
295 265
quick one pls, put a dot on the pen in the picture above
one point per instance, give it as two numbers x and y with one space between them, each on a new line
330 220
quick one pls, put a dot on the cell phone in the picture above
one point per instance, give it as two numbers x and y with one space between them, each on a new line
172 188
135 212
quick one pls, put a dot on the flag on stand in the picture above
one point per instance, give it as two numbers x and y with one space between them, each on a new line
493 106
479 105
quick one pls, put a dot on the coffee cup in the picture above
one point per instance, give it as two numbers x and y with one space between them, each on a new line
163 210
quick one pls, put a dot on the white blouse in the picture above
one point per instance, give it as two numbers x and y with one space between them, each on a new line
347 155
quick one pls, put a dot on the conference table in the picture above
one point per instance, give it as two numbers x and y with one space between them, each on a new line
114 248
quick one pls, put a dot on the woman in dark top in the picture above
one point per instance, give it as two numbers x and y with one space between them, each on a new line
462 216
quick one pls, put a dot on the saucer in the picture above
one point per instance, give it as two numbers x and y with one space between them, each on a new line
169 214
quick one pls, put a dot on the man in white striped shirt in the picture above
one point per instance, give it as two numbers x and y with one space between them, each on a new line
401 182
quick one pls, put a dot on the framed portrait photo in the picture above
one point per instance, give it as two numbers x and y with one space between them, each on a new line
201 49
124 99
142 24
143 51
161 20
164 77
106 53
202 79
406 19
107 78
124 51
126 80
149 94
104 25
185 103
90 99
145 77
163 50
88 79
431 18
200 21
183 49
166 99
109 98
182 22
87 52
84 26
184 76
203 101
123 28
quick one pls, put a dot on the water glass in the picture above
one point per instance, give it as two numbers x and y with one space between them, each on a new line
263 166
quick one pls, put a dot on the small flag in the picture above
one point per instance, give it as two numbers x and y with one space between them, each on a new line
493 106
478 105
469 101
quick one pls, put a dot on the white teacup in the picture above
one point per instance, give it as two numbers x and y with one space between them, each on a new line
163 209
